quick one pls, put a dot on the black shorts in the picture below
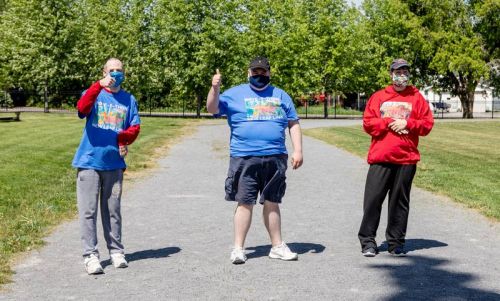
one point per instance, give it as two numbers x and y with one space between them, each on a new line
249 176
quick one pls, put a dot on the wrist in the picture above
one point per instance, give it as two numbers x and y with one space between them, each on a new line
409 124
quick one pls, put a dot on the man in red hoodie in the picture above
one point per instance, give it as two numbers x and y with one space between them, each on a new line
394 117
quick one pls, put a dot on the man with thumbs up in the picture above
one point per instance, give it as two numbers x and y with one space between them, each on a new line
112 123
258 114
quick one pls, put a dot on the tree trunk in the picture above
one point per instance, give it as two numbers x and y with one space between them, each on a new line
464 87
325 108
471 104
467 100
198 105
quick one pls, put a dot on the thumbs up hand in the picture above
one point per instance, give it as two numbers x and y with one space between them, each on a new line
216 80
107 81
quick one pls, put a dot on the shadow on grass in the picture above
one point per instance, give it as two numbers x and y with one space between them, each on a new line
147 254
8 119
416 244
297 247
424 278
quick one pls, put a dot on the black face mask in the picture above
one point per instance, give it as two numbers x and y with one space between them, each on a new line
259 81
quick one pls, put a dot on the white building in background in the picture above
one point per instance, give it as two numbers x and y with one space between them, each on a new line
484 100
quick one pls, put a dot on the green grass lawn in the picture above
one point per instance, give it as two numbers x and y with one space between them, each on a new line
37 182
319 110
459 159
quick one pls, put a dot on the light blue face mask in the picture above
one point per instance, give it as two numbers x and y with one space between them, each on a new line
119 78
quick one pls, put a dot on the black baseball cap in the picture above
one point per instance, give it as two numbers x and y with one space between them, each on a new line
260 62
398 63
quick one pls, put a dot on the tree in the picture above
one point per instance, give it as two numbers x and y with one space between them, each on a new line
347 56
3 5
37 38
438 37
314 46
171 48
195 38
399 33
487 24
459 60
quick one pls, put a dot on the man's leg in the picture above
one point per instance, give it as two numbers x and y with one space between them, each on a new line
111 192
87 194
242 222
376 189
399 206
272 220
273 190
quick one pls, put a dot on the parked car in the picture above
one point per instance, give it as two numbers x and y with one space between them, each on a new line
441 106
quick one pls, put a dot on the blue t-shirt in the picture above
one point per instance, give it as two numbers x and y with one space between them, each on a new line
257 119
111 114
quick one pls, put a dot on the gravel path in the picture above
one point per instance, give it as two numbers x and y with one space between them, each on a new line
178 234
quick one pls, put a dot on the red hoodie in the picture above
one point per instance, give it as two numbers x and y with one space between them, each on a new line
382 108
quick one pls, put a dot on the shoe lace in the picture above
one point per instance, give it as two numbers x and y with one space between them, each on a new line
91 259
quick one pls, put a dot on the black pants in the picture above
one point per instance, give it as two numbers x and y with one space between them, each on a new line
381 179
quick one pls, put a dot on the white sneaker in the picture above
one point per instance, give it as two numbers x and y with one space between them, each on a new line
92 265
238 255
118 260
283 252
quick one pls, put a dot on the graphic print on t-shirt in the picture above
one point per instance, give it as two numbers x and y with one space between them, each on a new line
110 117
264 108
396 109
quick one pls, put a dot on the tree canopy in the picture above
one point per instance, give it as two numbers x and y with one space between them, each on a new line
171 48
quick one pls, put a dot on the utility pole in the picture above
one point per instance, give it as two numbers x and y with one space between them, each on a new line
45 98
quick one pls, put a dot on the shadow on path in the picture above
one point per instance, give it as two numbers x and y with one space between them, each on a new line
297 247
421 278
147 254
416 244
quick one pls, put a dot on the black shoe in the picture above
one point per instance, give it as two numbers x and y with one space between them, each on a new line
369 252
398 252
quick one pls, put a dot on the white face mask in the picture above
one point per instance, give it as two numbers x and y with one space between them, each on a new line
400 80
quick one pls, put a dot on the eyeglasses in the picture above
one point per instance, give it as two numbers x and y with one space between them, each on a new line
115 70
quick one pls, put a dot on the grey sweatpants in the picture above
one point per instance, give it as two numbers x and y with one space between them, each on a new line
106 186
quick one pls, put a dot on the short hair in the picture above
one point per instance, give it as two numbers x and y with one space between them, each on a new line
111 59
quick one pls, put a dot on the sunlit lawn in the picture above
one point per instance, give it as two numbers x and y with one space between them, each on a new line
459 159
319 110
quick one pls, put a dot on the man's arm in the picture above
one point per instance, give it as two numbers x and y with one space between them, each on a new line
373 124
129 135
296 136
423 125
213 94
86 102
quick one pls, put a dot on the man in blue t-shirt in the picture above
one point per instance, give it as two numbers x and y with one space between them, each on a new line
258 115
112 123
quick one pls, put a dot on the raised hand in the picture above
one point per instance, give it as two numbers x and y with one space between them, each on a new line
216 80
107 81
